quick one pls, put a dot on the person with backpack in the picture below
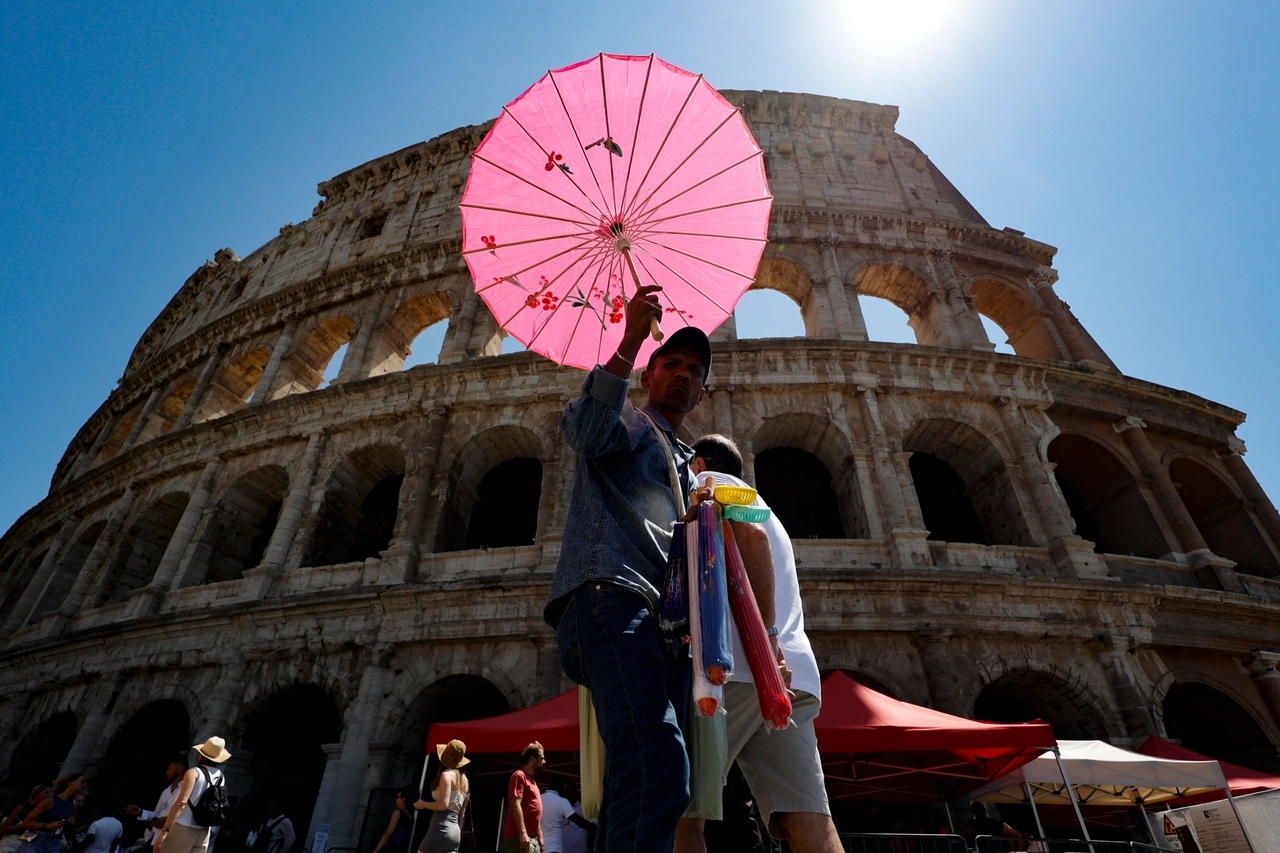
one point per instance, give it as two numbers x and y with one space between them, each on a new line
277 834
201 802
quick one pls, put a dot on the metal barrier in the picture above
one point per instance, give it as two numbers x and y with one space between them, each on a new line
1028 844
1141 847
901 842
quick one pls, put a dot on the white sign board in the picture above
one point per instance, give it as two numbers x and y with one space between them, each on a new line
1217 829
321 838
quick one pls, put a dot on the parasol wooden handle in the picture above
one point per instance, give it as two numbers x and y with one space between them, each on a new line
654 328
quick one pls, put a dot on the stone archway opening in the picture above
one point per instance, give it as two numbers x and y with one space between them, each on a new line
764 313
885 321
470 515
790 280
412 335
139 553
170 408
285 737
906 289
39 755
237 531
1025 695
1206 720
1224 520
1104 498
305 369
361 503
24 577
65 572
234 386
964 487
797 486
1017 317
132 769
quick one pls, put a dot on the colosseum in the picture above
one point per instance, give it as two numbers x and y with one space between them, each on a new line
319 568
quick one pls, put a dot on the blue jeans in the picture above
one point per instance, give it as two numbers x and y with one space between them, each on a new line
609 643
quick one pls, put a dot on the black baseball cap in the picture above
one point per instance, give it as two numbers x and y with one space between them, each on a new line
690 338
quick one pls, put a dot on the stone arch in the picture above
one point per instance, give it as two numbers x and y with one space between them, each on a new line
1208 717
804 470
475 460
1025 325
964 484
65 571
234 386
1061 697
132 768
358 514
285 734
1223 518
166 414
449 698
23 578
393 342
793 280
139 693
41 751
118 435
910 290
303 369
235 533
139 553
1104 498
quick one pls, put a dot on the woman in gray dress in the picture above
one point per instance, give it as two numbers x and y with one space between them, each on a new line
450 790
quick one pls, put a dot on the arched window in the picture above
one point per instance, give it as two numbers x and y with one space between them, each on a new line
334 367
308 366
886 322
1015 317
132 769
1210 722
505 513
1225 522
788 279
1104 498
948 512
39 755
234 386
139 554
425 348
240 527
797 486
1025 695
906 289
65 572
767 314
412 335
170 409
361 503
996 335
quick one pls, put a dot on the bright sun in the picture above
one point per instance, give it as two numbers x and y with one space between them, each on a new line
890 26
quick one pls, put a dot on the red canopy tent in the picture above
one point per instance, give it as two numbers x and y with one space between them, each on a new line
1241 780
553 723
873 745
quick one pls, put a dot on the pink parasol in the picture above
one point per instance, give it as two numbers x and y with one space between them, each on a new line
613 171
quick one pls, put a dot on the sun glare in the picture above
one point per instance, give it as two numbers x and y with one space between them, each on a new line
891 26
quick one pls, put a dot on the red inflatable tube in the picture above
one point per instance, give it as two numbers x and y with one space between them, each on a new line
774 704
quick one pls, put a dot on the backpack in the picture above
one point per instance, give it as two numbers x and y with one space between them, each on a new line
214 806
263 842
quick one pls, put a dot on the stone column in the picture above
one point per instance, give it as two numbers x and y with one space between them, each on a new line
1128 684
87 588
291 513
1071 554
339 802
907 537
458 335
88 743
85 462
958 303
144 415
221 703
722 410
410 542
146 601
1264 669
10 591
1212 570
1232 455
267 382
40 578
847 314
941 672
1078 350
353 366
192 407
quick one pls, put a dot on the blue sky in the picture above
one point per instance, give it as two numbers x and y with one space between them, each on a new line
136 139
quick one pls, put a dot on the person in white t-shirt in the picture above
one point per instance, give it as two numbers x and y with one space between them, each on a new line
102 835
782 768
557 816
577 838
155 818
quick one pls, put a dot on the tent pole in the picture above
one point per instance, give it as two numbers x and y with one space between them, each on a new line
1071 792
951 824
422 780
1031 798
1243 828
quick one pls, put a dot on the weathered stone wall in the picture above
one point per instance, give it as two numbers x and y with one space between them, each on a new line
172 558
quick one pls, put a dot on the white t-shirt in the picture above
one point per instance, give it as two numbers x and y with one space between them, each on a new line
197 790
105 831
575 837
787 607
555 814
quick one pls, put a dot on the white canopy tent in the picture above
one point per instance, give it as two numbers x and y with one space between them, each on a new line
1091 772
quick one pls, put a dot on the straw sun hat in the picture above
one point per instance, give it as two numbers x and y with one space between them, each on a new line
453 754
214 749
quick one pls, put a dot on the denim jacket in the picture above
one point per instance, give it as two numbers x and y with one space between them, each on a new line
622 511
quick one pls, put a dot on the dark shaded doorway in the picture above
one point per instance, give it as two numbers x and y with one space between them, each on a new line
948 512
132 770
40 754
1210 722
505 513
797 486
1104 498
1025 695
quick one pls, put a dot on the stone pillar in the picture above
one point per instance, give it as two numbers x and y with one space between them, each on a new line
907 537
410 541
722 410
10 591
847 314
220 706
153 400
1232 455
339 799
1210 569
267 382
1072 555
88 743
941 672
146 601
40 578
87 588
192 407
1078 350
291 513
85 462
958 303
1264 669
353 366
1128 684
458 335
